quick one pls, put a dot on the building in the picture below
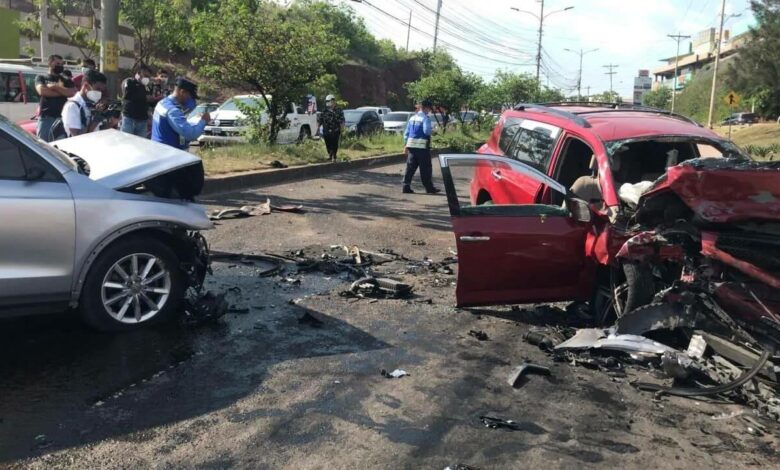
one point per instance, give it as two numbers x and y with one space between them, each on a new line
14 45
642 84
701 52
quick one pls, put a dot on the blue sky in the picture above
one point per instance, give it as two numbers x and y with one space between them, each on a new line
485 35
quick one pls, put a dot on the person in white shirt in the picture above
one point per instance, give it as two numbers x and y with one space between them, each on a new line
76 114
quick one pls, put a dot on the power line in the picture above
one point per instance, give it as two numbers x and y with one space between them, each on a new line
611 73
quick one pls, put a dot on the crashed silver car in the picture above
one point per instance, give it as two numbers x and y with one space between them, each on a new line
84 227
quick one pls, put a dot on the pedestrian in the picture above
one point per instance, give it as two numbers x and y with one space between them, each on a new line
77 114
169 123
135 102
86 66
332 122
417 138
54 90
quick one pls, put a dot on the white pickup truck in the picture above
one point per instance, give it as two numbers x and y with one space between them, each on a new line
226 126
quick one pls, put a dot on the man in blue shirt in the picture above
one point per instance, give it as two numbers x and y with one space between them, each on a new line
417 140
169 124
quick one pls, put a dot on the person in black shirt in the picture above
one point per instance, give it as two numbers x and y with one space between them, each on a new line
332 122
135 103
54 90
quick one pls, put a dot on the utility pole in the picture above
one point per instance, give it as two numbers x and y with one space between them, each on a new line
717 62
581 52
44 22
539 44
436 31
677 37
611 72
408 30
109 43
587 97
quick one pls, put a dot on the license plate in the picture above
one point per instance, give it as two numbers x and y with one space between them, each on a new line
216 131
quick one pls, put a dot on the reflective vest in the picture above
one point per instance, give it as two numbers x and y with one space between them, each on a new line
418 131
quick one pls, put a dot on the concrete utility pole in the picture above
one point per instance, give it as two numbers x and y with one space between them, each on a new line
678 37
611 72
408 30
109 43
44 22
436 31
717 62
581 53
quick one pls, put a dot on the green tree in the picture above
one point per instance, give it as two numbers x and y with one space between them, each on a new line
607 97
757 67
260 46
85 39
158 26
660 98
449 90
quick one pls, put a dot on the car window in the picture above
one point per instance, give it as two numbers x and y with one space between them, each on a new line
508 131
534 144
11 163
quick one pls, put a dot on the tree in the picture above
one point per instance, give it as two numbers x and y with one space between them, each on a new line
85 39
660 98
757 67
607 97
449 90
158 27
260 46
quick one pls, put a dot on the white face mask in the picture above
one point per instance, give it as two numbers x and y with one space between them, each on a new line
145 81
94 95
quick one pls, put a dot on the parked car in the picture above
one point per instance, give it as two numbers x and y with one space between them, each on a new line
83 229
227 122
202 108
740 118
362 122
601 155
381 111
467 117
395 122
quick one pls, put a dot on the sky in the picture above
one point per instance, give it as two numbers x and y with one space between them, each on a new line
486 35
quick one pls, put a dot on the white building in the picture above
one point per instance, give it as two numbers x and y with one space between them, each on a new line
643 82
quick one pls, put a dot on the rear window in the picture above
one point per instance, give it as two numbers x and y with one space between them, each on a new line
508 131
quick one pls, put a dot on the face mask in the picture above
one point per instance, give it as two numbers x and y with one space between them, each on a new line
94 95
145 81
58 69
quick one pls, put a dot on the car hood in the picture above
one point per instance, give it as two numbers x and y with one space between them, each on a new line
119 160
722 190
222 114
395 123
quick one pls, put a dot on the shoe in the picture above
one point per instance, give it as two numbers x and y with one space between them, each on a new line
408 190
433 191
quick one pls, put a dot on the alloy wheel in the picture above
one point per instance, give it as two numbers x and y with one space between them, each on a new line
136 288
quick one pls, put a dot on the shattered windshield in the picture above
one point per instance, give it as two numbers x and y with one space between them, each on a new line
725 148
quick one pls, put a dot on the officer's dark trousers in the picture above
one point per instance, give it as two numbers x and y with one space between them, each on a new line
332 144
419 158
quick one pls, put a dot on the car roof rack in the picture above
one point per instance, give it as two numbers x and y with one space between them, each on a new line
557 112
618 107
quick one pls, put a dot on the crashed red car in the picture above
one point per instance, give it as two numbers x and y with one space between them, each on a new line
542 213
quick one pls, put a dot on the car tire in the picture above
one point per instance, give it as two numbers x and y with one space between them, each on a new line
630 286
111 277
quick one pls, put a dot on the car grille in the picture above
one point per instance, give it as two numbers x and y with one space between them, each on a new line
227 122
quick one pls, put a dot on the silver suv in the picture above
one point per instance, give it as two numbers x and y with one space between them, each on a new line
82 227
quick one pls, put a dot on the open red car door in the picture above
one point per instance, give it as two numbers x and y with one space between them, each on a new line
515 253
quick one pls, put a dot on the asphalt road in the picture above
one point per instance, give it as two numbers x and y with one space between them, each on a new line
259 389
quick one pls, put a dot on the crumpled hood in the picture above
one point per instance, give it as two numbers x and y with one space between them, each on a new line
119 160
722 190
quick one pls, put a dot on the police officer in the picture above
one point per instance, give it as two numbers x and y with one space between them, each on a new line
418 149
169 124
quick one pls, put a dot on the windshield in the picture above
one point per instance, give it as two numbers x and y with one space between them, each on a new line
352 116
232 106
397 117
33 141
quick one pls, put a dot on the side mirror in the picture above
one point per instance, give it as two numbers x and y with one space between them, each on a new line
580 209
35 173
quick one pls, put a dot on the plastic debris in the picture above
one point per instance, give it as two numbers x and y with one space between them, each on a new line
396 374
518 372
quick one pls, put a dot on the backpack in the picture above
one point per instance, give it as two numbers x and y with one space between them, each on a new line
58 131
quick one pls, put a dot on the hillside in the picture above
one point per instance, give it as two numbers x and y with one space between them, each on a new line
763 135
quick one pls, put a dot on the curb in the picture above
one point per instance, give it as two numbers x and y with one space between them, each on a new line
253 179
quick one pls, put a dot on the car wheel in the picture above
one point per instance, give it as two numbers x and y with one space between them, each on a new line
304 134
133 283
621 290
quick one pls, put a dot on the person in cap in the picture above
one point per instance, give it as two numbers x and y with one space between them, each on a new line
332 122
169 123
417 138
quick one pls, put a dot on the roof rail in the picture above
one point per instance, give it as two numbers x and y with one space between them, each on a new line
557 112
622 107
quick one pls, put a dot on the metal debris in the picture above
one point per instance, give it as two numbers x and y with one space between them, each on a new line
204 308
374 287
587 338
264 208
523 369
396 374
498 423
479 334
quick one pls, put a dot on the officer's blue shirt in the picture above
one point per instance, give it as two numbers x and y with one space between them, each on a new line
418 131
170 126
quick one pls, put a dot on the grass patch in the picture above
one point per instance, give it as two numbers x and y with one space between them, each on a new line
764 134
225 159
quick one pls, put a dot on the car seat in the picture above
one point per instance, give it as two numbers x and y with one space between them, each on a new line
587 187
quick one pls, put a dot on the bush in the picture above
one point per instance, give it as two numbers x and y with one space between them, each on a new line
763 152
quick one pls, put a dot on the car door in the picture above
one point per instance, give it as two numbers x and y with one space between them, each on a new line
512 253
37 239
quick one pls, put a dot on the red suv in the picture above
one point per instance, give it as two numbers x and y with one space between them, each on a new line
541 214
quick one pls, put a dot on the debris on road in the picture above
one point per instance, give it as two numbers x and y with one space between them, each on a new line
204 308
524 369
383 288
498 423
479 334
396 374
264 208
266 265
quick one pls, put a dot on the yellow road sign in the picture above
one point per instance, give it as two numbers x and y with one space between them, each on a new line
732 99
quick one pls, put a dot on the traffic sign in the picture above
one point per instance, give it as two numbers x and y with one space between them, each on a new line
732 99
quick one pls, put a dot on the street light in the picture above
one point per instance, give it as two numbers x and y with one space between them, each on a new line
541 17
408 25
579 77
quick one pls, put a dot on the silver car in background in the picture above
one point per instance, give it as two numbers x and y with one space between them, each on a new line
395 122
82 228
